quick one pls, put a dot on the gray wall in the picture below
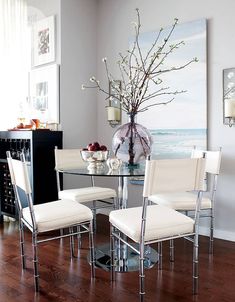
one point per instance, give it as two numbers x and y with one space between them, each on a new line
78 64
114 28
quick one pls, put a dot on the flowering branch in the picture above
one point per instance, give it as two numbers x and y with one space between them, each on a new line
137 71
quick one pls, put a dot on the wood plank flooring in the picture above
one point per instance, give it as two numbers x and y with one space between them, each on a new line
63 279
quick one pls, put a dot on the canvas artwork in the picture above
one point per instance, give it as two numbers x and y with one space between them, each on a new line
44 41
44 93
181 124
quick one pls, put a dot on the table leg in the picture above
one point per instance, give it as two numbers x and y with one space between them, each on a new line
122 192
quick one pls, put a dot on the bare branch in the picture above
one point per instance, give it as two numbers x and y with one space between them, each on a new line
155 104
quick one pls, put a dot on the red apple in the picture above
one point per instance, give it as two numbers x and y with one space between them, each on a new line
103 148
89 145
97 145
92 148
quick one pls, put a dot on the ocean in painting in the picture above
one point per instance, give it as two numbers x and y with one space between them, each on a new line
177 143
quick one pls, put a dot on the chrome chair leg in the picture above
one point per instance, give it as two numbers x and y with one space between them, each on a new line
22 245
112 255
94 215
79 237
71 241
92 250
211 247
159 247
115 203
141 272
35 261
172 251
195 265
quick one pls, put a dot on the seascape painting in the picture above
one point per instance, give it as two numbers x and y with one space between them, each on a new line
179 125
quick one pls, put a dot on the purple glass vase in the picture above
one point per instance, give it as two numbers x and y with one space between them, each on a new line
132 142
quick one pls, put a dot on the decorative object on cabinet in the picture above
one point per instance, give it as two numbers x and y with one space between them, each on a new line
229 96
44 41
44 93
38 147
143 78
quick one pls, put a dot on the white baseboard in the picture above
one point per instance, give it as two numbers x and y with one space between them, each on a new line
219 234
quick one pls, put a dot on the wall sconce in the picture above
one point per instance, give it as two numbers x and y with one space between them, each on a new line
229 96
114 107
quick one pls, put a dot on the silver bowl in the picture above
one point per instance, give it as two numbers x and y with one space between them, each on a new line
95 159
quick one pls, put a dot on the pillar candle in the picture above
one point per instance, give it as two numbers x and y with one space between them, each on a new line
229 108
113 114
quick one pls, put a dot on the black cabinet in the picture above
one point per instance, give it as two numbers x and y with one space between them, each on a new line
38 147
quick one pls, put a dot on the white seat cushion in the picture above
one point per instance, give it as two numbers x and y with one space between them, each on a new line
58 214
162 222
87 194
180 201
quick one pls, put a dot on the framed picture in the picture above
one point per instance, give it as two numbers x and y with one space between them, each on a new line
44 93
43 50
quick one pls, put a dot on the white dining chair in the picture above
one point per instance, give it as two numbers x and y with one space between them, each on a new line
101 197
46 217
155 223
186 201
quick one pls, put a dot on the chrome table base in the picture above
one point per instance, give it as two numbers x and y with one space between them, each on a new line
125 258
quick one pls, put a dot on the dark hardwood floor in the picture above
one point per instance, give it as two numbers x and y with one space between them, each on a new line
63 279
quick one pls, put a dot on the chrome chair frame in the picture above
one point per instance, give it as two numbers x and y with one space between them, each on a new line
214 175
115 233
213 171
94 207
84 227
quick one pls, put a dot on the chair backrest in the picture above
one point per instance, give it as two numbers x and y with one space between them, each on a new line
172 175
20 179
213 160
68 159
19 174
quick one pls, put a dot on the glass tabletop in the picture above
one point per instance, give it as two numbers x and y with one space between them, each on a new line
123 171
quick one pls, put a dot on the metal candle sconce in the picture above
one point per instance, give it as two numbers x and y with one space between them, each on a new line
229 96
114 107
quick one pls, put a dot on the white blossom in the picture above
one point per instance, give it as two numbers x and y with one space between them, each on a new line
92 79
134 23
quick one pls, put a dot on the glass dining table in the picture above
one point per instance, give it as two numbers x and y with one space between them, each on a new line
126 259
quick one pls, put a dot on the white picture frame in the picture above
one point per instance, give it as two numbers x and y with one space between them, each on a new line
44 93
43 50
